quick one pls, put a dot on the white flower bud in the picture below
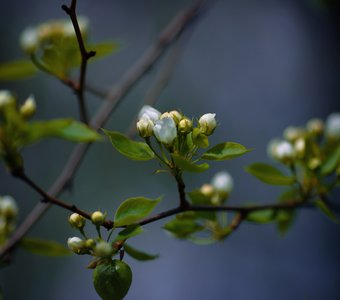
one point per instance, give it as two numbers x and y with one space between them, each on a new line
165 115
223 182
185 126
29 40
207 190
333 126
6 98
77 221
148 111
292 133
76 245
8 207
165 130
98 218
176 115
300 147
284 152
315 126
29 107
207 123
145 127
103 249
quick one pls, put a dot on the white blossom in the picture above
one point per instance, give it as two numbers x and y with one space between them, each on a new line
8 207
207 123
165 130
148 112
222 181
29 40
333 126
284 151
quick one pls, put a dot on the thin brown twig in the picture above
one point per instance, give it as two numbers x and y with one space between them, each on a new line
177 25
85 56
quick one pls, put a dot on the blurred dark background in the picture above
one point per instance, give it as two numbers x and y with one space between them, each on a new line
261 66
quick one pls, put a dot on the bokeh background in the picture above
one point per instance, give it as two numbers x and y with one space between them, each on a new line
261 65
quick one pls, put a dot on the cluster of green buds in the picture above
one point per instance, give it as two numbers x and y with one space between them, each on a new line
8 215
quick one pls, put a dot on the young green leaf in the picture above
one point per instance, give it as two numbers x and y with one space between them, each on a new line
43 247
104 48
129 148
322 206
261 216
182 228
199 139
189 166
285 219
225 151
139 255
61 128
133 210
129 232
331 162
18 69
269 174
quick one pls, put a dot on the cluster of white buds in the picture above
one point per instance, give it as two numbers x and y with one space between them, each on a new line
33 37
8 214
219 188
167 126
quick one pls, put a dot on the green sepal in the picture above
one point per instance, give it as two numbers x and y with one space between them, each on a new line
44 247
129 148
269 174
199 139
139 255
133 210
225 151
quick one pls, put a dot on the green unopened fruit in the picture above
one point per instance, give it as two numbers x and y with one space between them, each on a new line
112 279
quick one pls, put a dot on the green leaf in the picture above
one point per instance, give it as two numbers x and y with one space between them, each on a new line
189 166
285 219
134 209
66 129
129 148
322 206
199 139
261 216
269 174
18 69
44 247
182 228
129 232
103 49
331 162
225 151
139 255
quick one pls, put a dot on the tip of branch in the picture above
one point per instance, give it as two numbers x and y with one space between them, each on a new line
91 54
66 9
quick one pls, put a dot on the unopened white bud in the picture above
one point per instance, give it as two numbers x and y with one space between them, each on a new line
207 123
29 40
176 115
6 98
300 147
292 133
76 245
165 131
284 152
8 207
315 126
207 190
29 107
77 221
145 127
103 249
333 126
223 182
98 218
148 111
185 126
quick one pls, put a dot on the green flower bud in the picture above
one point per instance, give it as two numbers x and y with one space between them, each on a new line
90 243
145 127
77 221
103 249
315 126
207 123
98 218
185 126
28 109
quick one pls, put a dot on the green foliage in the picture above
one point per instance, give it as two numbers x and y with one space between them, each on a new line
133 210
269 174
224 151
331 162
189 166
43 247
129 148
18 69
322 206
112 279
129 232
182 228
261 216
285 220
199 139
139 255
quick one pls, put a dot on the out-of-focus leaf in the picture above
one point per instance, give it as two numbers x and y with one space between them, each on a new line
322 206
189 166
18 69
129 148
182 228
134 209
261 216
269 174
103 49
225 151
331 162
197 198
139 255
285 219
129 232
43 247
